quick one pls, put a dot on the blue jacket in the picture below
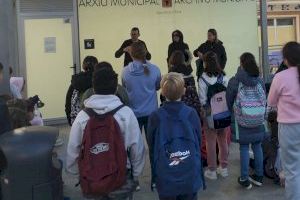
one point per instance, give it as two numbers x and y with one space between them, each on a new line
247 135
141 88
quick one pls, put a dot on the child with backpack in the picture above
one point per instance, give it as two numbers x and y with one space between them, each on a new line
246 97
212 93
174 137
105 146
121 92
79 84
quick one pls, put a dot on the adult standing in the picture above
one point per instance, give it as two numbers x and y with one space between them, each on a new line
179 45
285 95
212 44
126 46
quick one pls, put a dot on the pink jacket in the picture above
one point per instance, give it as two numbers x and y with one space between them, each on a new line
285 95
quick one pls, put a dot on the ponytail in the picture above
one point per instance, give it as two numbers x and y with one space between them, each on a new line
146 70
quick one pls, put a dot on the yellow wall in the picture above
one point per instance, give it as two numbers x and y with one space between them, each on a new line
286 34
48 74
236 23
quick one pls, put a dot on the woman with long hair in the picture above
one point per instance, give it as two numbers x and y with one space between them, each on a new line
285 96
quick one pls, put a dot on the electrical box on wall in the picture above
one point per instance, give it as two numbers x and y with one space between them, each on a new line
89 44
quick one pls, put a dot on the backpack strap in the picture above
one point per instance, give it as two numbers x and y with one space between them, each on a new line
205 81
220 79
91 113
114 111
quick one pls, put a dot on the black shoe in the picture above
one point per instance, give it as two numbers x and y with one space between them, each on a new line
245 183
256 180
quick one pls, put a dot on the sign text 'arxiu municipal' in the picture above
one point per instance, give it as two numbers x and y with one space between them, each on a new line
163 3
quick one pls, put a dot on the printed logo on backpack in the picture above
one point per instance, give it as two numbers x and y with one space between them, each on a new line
250 106
219 116
103 157
177 161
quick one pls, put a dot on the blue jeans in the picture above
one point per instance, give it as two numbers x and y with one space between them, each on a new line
258 159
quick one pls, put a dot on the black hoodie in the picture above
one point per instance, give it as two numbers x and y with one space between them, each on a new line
80 82
217 48
178 46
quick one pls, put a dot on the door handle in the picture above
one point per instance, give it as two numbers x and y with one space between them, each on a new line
74 68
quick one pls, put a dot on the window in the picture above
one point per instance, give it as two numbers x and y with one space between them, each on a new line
281 29
270 22
285 21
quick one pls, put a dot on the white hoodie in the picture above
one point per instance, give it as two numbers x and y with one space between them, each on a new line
203 87
128 125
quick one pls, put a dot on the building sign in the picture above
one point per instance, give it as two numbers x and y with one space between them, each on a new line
273 7
109 23
161 3
50 45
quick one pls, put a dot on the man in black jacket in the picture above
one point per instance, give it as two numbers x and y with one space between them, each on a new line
5 124
125 47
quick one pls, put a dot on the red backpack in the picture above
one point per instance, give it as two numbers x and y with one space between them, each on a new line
103 158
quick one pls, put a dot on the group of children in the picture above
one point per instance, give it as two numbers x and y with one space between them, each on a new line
175 131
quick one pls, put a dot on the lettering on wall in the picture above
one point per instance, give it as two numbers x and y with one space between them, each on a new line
161 3
284 7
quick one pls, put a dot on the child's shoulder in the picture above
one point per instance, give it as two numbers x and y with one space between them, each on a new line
182 107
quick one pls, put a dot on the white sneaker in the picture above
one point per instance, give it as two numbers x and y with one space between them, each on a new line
212 175
59 142
222 172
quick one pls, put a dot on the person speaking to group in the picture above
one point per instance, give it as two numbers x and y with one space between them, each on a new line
212 44
179 45
126 46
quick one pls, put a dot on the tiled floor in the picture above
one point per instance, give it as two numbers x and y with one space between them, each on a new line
222 189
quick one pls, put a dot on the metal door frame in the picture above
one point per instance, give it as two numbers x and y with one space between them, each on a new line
45 15
21 17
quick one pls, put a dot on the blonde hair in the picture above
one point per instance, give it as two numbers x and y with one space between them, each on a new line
172 85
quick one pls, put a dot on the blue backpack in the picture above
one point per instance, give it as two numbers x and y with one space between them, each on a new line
177 161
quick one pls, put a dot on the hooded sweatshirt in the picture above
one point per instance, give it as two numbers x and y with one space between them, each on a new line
16 87
80 82
141 88
247 135
129 127
178 46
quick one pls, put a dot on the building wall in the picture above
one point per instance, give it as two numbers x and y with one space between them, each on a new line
235 22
